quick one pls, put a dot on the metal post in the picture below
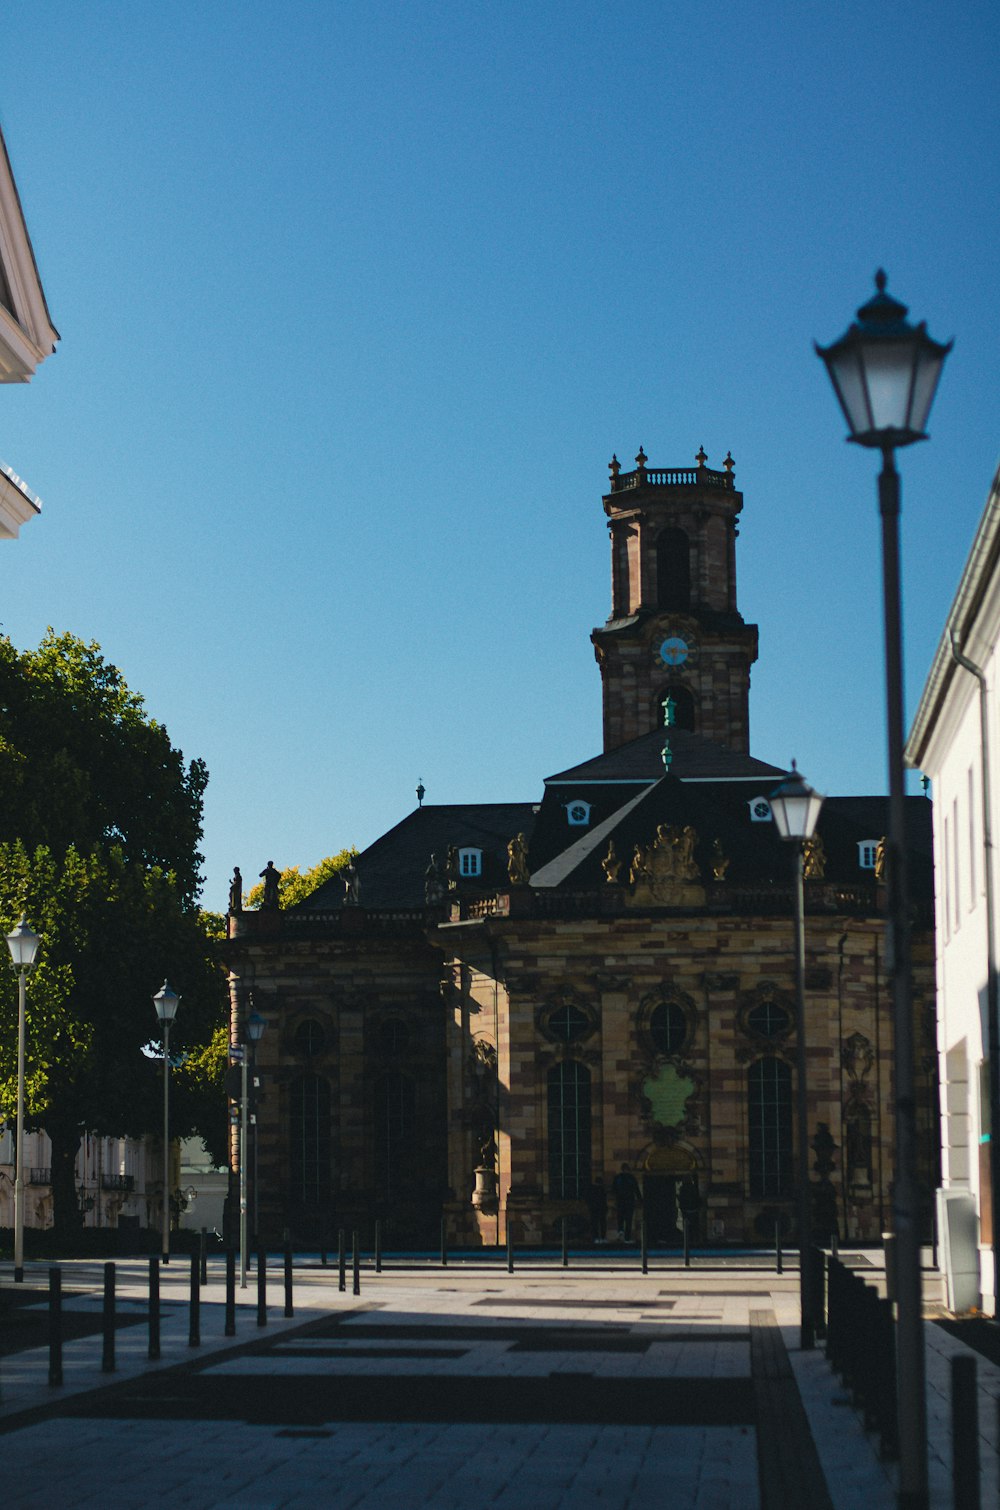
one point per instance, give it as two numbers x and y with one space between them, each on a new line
444 1242
194 1320
288 1282
964 1433
108 1321
356 1264
166 1140
244 1093
686 1223
778 1266
910 1366
203 1254
19 1152
378 1247
262 1289
55 1327
510 1245
154 1310
230 1330
565 1249
807 1336
341 1261
643 1249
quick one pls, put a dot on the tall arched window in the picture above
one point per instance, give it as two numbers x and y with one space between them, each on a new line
309 1140
673 569
769 1098
569 1129
394 1117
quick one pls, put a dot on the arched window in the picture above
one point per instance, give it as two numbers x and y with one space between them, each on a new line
683 700
673 569
395 1103
769 1104
567 1023
309 1140
569 1129
309 1038
668 1028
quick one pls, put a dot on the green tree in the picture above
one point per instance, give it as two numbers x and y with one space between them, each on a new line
100 820
295 885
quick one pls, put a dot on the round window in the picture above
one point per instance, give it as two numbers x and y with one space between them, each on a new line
768 1020
567 1023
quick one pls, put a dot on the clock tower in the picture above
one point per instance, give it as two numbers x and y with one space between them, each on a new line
674 627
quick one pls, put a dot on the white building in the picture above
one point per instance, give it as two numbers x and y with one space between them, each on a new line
955 740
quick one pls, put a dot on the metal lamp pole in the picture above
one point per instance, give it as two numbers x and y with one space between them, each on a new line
795 808
23 945
885 373
165 1001
254 1033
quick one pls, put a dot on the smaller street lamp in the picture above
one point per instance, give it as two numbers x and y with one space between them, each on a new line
165 1001
253 1030
23 945
795 808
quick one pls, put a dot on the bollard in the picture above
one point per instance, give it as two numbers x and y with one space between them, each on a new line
203 1254
342 1262
378 1247
230 1292
834 1244
55 1327
565 1249
778 1268
964 1433
322 1244
194 1318
288 1283
444 1242
510 1246
643 1246
686 1223
262 1289
153 1351
355 1264
108 1353
889 1246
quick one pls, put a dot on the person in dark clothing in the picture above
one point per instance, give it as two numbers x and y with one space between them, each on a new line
627 1196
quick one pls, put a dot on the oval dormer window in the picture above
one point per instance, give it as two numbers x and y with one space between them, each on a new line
578 814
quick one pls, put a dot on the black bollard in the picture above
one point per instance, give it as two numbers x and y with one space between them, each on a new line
55 1327
108 1353
288 1283
203 1254
342 1262
356 1264
510 1246
262 1289
230 1292
565 1249
778 1266
378 1247
153 1351
686 1223
643 1250
444 1242
194 1318
964 1433
834 1244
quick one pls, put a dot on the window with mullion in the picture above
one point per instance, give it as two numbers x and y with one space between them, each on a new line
769 1096
569 1129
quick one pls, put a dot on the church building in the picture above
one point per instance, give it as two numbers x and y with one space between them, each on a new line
500 1005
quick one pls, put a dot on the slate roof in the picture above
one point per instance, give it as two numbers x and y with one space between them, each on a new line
392 870
694 759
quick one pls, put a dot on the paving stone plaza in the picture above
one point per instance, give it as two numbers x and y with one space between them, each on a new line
594 1385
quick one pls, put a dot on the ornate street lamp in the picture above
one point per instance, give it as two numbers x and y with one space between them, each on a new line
254 1033
795 808
885 373
23 945
165 1001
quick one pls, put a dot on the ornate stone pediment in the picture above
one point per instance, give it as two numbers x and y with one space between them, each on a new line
665 872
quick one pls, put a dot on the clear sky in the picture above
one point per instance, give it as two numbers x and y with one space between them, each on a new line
357 298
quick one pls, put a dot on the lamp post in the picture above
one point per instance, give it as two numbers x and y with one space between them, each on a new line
885 373
23 945
255 1032
796 808
253 1029
165 1001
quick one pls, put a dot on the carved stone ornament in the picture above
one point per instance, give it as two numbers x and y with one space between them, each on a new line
611 865
665 872
720 861
857 1056
813 859
517 861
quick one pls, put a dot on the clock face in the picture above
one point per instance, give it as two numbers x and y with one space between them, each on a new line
674 651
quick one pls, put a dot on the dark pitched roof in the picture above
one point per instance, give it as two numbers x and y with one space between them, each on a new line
392 870
694 759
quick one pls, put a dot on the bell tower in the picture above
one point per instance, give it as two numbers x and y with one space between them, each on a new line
674 625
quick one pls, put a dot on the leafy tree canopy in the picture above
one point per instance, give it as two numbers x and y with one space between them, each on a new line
295 885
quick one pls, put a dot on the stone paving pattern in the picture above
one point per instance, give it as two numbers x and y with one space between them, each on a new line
263 1419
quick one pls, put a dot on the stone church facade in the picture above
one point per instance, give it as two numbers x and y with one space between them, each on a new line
505 1003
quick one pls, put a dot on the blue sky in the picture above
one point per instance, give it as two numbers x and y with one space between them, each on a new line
356 301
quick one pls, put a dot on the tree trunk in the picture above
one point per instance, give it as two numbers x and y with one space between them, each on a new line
67 1216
